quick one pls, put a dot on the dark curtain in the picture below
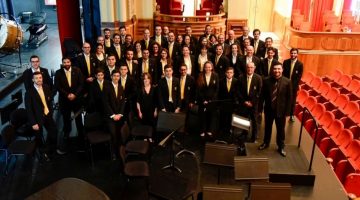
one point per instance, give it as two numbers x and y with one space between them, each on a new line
92 21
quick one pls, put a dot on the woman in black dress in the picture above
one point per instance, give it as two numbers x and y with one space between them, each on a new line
147 101
100 61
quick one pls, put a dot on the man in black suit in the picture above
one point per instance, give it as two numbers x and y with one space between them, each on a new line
250 85
221 62
69 83
38 104
147 64
133 68
268 62
35 67
116 49
188 31
187 89
276 93
228 89
235 60
107 39
159 38
245 34
207 32
111 60
129 88
128 44
226 47
232 39
146 42
169 91
122 30
174 47
114 109
268 44
86 63
259 45
250 57
96 92
293 70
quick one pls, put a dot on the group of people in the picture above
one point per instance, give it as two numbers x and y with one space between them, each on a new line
168 73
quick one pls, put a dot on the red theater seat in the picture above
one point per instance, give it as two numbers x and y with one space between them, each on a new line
325 145
355 131
332 94
318 111
316 83
342 169
353 86
334 156
326 119
352 185
356 117
324 88
352 151
335 76
307 77
351 108
344 138
341 101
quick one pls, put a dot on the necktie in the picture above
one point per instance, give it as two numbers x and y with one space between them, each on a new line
147 44
274 95
171 49
42 97
123 83
146 67
182 88
158 40
116 90
101 86
228 85
256 46
248 84
68 77
130 66
217 60
118 51
87 58
170 89
269 66
107 43
292 68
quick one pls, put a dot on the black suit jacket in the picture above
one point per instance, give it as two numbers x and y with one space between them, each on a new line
28 76
208 92
241 40
231 96
255 60
297 72
276 56
265 68
81 63
189 90
143 44
34 106
164 42
62 85
284 96
260 49
177 51
163 92
96 96
226 49
107 74
254 90
221 66
112 50
152 69
135 72
227 41
112 104
180 60
236 65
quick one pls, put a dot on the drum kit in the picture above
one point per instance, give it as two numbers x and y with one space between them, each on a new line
11 36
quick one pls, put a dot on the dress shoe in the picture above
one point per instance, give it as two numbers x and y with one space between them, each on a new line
292 119
282 152
209 134
263 146
44 157
202 135
60 152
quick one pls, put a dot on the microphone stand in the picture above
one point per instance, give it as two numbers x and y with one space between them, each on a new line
171 138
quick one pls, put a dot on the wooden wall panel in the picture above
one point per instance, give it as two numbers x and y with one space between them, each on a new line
236 25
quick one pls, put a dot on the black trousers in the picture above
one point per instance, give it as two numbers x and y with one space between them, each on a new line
114 128
50 143
270 117
293 101
206 114
72 107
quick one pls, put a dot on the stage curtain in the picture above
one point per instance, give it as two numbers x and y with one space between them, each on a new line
164 6
319 7
303 6
347 4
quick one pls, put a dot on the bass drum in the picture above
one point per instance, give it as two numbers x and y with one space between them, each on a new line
11 35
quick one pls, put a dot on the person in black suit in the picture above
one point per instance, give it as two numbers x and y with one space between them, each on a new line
111 60
268 62
169 92
122 30
187 89
86 62
116 49
69 83
235 60
128 44
146 43
207 32
259 45
221 62
129 88
245 34
35 67
159 38
250 57
226 47
232 39
96 92
38 104
147 101
173 47
202 58
250 85
147 64
100 57
268 44
133 67
187 43
114 109
189 60
293 70
207 91
162 62
245 43
228 92
276 93
107 39
188 31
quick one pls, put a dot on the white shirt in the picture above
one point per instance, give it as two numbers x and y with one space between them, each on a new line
111 69
234 57
187 62
201 60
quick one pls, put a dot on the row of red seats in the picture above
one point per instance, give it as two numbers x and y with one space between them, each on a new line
334 103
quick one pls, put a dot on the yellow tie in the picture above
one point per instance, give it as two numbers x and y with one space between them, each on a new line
68 77
292 67
228 85
182 88
217 60
116 91
171 49
118 51
269 66
146 67
130 67
158 40
147 44
123 83
256 46
170 89
87 58
101 86
42 96
248 84
107 43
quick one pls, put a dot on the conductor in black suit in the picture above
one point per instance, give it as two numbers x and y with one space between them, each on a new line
69 83
276 94
293 70
187 89
38 104
228 91
169 91
250 85
114 107
35 67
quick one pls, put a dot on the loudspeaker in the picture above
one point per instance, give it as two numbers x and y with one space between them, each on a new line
251 168
220 154
270 191
222 192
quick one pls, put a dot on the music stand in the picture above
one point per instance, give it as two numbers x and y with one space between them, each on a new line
170 122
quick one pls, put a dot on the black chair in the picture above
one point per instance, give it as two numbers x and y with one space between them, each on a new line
18 119
14 147
138 130
95 132
135 148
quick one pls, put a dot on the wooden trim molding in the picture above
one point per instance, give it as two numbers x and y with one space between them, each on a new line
236 25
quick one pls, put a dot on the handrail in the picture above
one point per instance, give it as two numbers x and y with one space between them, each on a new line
180 18
306 111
